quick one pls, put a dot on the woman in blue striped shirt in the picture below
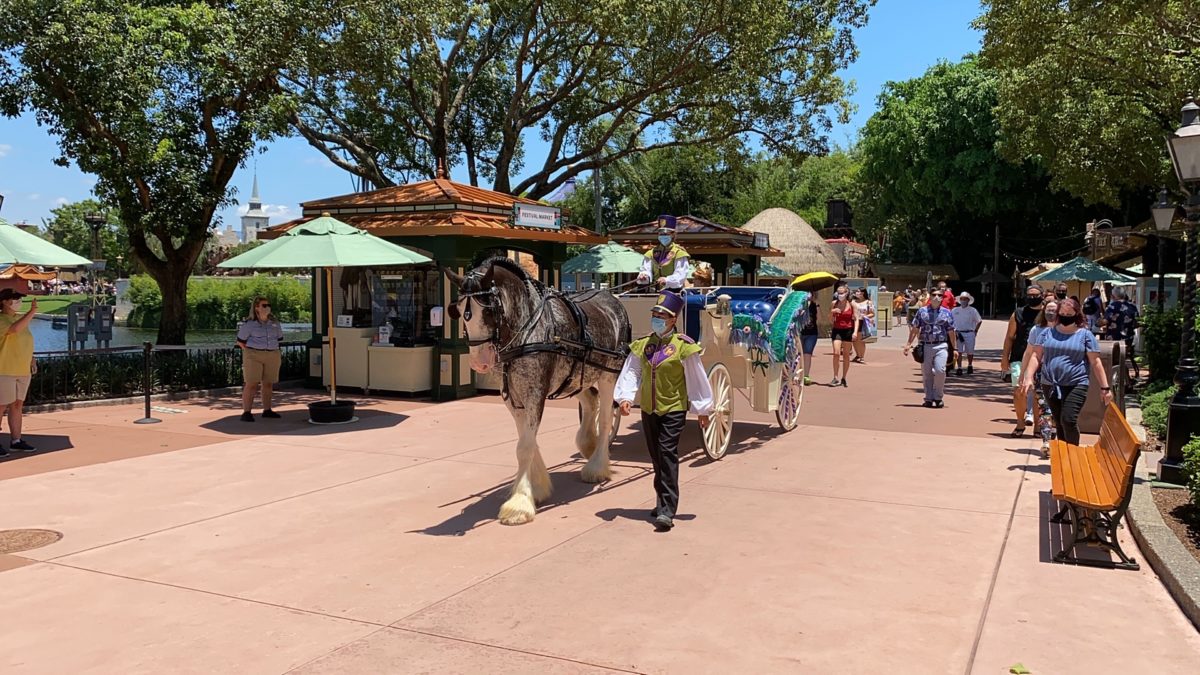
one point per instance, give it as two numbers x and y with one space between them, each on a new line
1065 353
259 337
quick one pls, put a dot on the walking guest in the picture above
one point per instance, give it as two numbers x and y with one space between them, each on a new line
259 337
934 325
966 327
1046 319
1065 353
945 295
842 316
664 373
900 306
1061 290
1120 323
864 319
1016 340
808 338
1093 309
667 263
16 364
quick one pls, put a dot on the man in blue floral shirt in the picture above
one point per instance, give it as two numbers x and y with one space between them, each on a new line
934 325
1120 323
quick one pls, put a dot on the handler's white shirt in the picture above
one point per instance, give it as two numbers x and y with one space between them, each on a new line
674 279
965 318
699 392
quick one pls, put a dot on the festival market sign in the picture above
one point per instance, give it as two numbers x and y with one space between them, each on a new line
542 217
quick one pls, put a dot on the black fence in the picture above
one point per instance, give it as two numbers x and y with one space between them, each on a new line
123 371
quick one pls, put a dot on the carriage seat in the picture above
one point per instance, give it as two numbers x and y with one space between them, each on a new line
755 300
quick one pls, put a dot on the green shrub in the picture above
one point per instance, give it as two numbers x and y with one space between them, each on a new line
1160 342
1155 407
216 303
1191 468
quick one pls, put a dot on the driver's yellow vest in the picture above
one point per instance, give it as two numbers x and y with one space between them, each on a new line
664 384
667 267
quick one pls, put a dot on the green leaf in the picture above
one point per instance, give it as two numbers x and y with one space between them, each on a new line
1018 669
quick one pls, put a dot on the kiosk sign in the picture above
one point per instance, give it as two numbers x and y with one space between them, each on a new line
544 217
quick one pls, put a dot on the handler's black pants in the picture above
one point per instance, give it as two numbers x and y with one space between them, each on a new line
662 439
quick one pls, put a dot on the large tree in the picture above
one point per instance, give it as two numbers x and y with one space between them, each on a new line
401 91
1089 88
161 101
933 185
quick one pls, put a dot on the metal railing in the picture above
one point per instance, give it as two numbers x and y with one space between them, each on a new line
122 372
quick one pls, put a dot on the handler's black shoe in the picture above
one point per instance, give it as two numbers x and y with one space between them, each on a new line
663 523
970 370
271 414
247 417
22 446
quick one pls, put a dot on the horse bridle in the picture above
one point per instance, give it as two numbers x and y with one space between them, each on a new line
494 305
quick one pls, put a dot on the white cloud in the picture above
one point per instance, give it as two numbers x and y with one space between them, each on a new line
33 196
62 201
320 161
5 149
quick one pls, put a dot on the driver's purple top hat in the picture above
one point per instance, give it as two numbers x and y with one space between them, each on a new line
670 303
666 224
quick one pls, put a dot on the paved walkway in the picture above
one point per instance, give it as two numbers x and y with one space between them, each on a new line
877 537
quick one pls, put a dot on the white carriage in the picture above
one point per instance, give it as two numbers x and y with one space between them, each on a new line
751 341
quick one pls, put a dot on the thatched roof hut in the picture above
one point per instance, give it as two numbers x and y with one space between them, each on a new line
803 248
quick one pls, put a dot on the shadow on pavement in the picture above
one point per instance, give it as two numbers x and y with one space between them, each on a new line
45 443
641 515
630 444
295 423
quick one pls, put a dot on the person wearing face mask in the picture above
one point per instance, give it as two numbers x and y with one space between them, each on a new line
1048 318
934 325
842 316
1016 340
1061 290
16 364
966 325
664 373
1065 354
667 263
864 318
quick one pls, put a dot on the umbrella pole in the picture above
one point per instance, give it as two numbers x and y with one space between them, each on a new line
332 339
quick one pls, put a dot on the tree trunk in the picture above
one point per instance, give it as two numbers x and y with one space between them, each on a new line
172 326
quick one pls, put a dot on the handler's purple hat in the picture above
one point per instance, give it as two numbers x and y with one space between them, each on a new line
669 303
666 224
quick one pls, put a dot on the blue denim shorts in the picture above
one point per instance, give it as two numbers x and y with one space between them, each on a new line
808 343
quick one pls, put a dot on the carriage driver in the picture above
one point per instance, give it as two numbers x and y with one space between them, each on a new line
667 263
665 375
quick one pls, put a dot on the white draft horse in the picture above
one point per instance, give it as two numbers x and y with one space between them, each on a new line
547 345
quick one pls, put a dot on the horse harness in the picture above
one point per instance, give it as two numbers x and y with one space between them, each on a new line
579 348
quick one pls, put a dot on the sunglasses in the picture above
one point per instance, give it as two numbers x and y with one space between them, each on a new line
264 307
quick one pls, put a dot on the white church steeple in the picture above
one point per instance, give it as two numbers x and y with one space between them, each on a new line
256 218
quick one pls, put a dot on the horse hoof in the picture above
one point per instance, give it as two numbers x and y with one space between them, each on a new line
590 475
518 510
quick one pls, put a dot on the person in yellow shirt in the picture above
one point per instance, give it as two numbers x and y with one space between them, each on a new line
16 363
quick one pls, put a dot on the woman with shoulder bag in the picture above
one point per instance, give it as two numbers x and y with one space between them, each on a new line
864 321
1065 353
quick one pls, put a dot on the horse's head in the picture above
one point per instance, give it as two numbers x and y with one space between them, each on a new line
479 309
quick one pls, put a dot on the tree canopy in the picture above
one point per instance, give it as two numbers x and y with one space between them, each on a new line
67 228
161 102
402 88
1090 88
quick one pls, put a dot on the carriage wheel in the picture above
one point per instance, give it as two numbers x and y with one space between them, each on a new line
791 392
720 422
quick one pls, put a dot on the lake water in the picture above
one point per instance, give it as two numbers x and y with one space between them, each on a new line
46 338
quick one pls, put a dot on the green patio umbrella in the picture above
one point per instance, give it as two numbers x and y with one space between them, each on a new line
765 271
18 247
1082 269
610 258
328 243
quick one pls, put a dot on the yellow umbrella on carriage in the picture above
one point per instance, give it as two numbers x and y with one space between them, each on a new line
326 242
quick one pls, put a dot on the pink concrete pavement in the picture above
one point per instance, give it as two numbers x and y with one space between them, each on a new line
877 537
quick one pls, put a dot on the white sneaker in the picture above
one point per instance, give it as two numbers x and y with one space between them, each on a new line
1028 419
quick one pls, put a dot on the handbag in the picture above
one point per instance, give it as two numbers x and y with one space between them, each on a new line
918 353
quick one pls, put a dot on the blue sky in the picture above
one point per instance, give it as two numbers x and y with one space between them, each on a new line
902 39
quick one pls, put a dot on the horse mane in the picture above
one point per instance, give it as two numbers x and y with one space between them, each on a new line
510 265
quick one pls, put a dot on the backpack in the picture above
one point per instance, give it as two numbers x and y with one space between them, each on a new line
1091 305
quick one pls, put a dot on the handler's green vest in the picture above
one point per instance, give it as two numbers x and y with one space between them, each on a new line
667 267
664 385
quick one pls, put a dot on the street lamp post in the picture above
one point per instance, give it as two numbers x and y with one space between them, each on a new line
1183 421
95 221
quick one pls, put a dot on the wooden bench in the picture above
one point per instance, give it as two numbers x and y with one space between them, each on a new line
1095 484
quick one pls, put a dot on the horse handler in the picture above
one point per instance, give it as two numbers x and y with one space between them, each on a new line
665 374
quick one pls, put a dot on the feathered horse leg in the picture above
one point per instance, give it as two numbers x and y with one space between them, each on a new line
598 470
532 483
585 438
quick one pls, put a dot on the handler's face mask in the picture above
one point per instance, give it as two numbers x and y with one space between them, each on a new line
658 325
664 239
